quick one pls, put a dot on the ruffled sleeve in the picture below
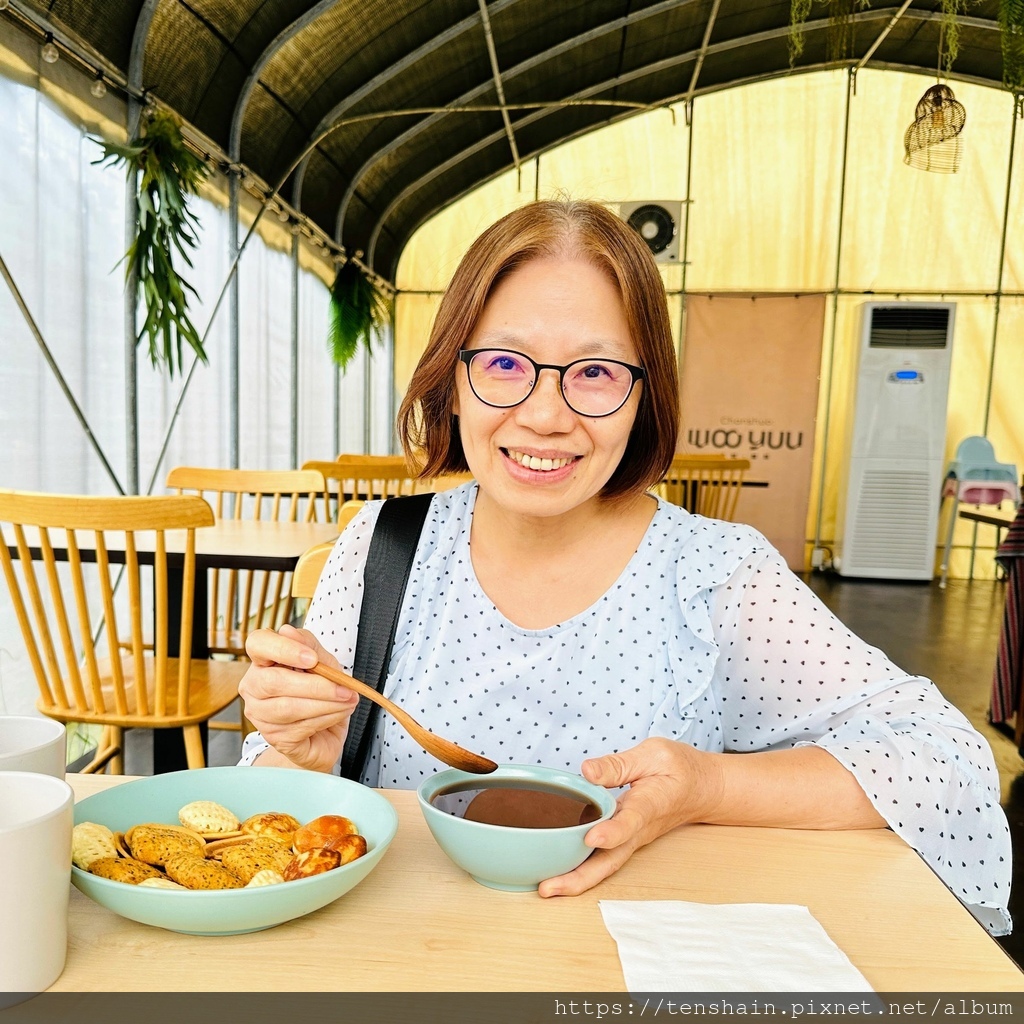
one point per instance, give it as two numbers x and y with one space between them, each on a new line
789 673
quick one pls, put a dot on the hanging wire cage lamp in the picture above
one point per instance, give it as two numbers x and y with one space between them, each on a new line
932 142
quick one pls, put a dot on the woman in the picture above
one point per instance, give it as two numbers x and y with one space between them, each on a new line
557 613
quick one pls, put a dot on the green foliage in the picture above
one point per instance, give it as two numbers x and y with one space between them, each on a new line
1011 26
357 307
165 172
799 12
949 43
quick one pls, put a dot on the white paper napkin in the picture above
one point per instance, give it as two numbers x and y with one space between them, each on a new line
672 946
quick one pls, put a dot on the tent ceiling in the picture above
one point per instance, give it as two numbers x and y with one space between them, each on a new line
264 78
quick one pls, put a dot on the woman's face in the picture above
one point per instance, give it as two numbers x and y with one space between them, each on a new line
556 311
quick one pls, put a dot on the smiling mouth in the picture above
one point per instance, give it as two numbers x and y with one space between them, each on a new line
543 465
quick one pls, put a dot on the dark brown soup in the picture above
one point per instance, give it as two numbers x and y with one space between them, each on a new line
517 804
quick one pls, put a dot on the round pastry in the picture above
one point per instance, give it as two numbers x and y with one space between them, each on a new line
194 871
321 833
271 825
123 869
349 848
311 862
89 842
207 817
248 859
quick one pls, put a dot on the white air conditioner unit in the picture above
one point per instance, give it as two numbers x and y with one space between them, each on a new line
888 513
658 223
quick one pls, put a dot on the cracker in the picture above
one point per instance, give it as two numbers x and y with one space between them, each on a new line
156 844
194 871
123 869
159 883
247 859
91 841
272 825
268 876
208 817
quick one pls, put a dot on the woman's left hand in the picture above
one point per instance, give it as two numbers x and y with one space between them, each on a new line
669 783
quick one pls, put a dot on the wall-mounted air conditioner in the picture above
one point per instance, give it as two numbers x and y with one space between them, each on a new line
892 476
658 222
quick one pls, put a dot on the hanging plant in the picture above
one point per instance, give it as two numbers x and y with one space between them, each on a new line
949 38
164 172
357 307
839 36
1011 32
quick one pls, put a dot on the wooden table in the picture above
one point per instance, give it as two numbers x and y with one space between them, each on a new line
419 924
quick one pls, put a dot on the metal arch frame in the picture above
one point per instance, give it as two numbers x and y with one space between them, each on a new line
553 52
249 85
703 50
393 70
649 69
136 60
499 88
735 83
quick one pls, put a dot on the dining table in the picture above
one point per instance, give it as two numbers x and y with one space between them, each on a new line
418 923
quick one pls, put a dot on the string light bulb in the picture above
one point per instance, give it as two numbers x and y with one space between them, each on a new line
49 51
99 87
4 4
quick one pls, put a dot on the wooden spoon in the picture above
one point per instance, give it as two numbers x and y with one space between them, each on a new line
444 750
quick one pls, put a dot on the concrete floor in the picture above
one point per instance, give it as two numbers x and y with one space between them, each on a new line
948 635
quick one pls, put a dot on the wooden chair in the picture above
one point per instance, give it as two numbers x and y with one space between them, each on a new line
70 620
708 485
308 570
242 600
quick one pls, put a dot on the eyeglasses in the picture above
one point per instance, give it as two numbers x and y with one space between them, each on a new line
591 387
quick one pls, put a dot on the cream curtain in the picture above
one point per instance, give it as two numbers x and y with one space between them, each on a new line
765 189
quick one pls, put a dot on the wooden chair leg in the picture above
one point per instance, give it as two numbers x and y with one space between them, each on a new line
116 739
194 747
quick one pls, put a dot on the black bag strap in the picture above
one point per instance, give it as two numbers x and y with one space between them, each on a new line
388 564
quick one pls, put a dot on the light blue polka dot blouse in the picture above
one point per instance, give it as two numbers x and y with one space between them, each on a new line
706 637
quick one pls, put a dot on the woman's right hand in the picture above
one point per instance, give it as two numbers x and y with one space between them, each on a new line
303 716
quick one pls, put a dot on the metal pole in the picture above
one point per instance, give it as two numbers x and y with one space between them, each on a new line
294 435
233 321
337 408
995 319
131 299
367 398
835 311
48 356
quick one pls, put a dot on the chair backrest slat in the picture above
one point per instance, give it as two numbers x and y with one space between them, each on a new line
135 618
707 485
24 623
60 617
110 614
160 632
239 494
85 629
43 632
185 638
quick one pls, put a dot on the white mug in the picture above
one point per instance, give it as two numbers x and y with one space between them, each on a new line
32 744
36 819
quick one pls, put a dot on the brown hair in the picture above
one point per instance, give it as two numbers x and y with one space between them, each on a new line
574 229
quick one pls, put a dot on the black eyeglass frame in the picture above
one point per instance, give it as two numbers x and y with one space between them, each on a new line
636 373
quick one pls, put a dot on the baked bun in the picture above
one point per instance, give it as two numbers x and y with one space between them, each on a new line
322 833
271 825
311 862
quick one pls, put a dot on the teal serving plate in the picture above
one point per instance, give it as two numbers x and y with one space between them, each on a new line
502 856
245 791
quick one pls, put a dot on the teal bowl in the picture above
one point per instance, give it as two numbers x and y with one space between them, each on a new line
245 791
503 856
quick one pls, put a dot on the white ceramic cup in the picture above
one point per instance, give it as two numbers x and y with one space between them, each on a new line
31 744
36 819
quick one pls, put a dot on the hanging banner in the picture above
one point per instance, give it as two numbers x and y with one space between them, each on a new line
749 388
